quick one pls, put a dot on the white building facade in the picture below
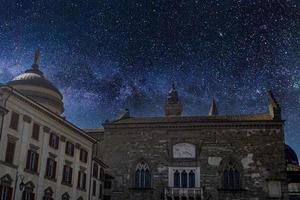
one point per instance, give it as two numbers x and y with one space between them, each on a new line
42 155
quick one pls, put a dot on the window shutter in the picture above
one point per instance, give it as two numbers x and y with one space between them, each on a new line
84 180
28 159
10 150
36 162
54 170
9 195
64 174
14 122
56 141
70 176
31 196
24 196
48 167
35 131
79 177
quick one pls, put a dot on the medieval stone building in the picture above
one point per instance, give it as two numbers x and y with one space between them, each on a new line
196 157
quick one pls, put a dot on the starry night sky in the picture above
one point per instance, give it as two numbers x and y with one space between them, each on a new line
108 55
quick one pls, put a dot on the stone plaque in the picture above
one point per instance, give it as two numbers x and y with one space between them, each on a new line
184 150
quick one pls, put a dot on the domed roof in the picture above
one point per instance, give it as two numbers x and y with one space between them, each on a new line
34 85
290 155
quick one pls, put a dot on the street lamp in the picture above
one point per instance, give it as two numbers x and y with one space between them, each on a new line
21 185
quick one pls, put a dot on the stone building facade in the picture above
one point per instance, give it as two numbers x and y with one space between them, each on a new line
216 157
43 155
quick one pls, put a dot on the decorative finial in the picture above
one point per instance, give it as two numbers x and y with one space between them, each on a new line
213 109
173 85
274 107
36 58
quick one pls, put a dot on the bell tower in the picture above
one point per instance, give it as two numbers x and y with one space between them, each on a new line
173 105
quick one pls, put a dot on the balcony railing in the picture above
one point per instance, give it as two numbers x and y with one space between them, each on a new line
183 193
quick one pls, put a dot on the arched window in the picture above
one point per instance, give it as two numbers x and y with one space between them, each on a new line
176 179
28 193
231 177
65 196
142 176
191 179
48 194
5 187
184 179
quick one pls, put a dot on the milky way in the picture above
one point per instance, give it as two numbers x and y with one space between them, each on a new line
109 55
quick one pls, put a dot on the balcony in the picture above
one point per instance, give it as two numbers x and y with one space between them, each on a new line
183 193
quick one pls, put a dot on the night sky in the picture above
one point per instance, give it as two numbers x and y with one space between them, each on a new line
108 55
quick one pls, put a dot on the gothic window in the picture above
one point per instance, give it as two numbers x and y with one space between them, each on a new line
48 194
65 196
5 188
176 179
28 193
183 179
142 176
231 177
191 179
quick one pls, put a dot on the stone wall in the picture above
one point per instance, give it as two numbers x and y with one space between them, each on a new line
258 150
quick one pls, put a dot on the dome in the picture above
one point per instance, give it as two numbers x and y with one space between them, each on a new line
290 156
34 85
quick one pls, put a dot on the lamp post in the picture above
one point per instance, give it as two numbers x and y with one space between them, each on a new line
21 185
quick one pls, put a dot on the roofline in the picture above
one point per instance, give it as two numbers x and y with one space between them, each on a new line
93 130
49 112
99 161
195 124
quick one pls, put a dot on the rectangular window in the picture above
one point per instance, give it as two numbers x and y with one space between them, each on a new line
5 192
94 187
51 168
69 149
14 121
10 151
83 155
95 170
81 184
54 141
102 174
32 161
36 131
67 174
100 191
